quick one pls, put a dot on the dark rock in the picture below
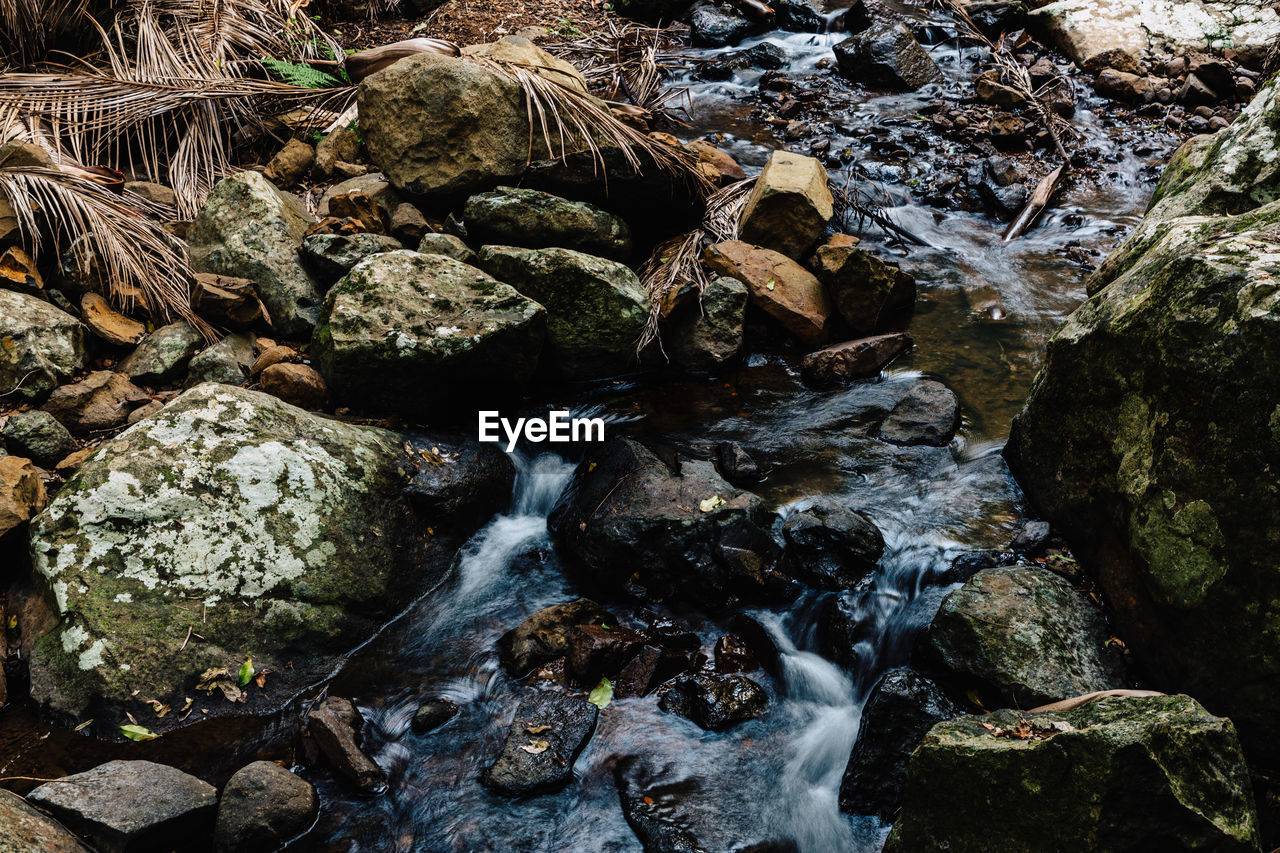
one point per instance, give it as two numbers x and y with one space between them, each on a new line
1195 92
888 56
544 636
714 702
463 479
736 464
1006 128
995 17
860 359
797 16
717 26
831 546
228 361
228 302
732 654
100 401
337 729
758 639
596 650
640 675
331 256
929 414
25 830
533 219
970 563
432 714
38 436
991 91
1031 539
263 807
765 56
532 762
1004 200
864 288
407 224
708 335
670 634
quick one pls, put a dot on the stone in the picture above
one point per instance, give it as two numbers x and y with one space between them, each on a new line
445 329
797 16
736 464
297 384
717 26
474 478
1032 538
290 164
331 256
1122 86
146 410
544 636
228 302
708 335
433 714
521 51
778 286
249 229
1025 634
375 185
864 358
163 355
831 547
18 271
337 728
789 207
408 224
38 436
715 702
535 759
109 324
992 91
45 346
720 167
928 414
228 361
1007 128
596 651
357 212
25 830
126 806
765 56
22 493
596 308
263 807
103 400
533 219
340 145
447 245
1114 775
272 354
887 56
153 192
645 671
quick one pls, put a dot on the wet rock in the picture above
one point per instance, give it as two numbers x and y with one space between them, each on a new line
831 546
995 17
929 414
1122 86
22 493
249 229
163 355
538 220
263 807
596 308
297 384
38 436
1031 539
228 302
715 702
547 734
1006 129
337 728
860 359
777 285
447 245
789 207
596 650
1005 201
717 26
736 464
462 479
108 324
102 400
126 806
646 670
228 361
544 636
445 328
25 830
797 16
901 710
708 335
48 346
432 714
887 56
732 654
864 289
331 256
991 91
1073 784
765 56
1024 633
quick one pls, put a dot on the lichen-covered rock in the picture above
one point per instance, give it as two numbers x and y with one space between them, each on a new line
331 256
512 216
277 534
447 245
1151 435
708 334
162 355
38 436
40 346
228 361
249 229
790 205
1113 776
406 332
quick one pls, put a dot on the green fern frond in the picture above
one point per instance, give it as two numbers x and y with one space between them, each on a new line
299 74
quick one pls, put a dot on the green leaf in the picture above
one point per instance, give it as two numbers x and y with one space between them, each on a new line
602 695
299 74
246 671
138 733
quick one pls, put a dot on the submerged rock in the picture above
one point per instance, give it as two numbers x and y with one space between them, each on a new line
928 414
25 830
46 348
714 702
547 734
262 808
888 56
432 714
789 206
1155 773
536 220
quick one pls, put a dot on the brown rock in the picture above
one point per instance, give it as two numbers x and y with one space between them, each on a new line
100 401
154 193
272 353
1117 58
860 359
25 830
229 302
22 493
778 285
336 727
595 651
640 675
108 323
863 287
68 466
1195 92
290 164
721 167
991 91
408 224
1007 127
18 272
361 206
789 206
732 654
297 384
1122 86
544 636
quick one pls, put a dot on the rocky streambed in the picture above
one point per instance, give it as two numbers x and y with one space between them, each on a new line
818 588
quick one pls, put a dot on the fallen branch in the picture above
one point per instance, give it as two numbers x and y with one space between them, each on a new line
1080 701
1035 206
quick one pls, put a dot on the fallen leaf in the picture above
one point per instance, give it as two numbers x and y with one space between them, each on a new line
537 730
602 695
246 671
158 707
138 733
536 747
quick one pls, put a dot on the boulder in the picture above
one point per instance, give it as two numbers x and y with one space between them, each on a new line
596 308
447 245
331 256
548 732
539 220
860 359
22 494
928 414
887 56
108 324
789 206
777 285
1122 86
597 651
708 335
518 50
406 333
433 714
103 400
228 302
38 436
831 546
44 346
544 636
337 728
286 536
714 702
25 830
1025 634
1155 773
249 229
864 289
901 710
296 384
717 26
162 355
228 361
263 807
290 163
126 806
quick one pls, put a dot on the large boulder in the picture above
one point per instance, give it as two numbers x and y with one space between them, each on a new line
40 346
270 532
25 830
406 332
262 808
1155 773
777 285
790 205
249 229
1151 435
513 216
887 56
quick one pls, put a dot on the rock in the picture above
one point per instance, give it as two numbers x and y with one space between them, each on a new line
1024 633
144 411
521 51
341 145
706 336
263 807
38 436
109 324
337 728
101 401
47 347
533 762
777 285
721 168
447 245
297 384
715 702
1196 93
433 714
928 414
272 354
1074 784
736 464
123 806
733 654
153 192
22 493
544 636
860 359
596 651
886 56
765 56
1122 86
901 710
228 361
232 303
864 289
797 16
162 355
264 515
992 91
408 224
428 322
1007 128
596 308
290 164
249 229
789 207
475 479
331 256
831 546
645 671
717 26
375 185
1031 539
25 830
537 220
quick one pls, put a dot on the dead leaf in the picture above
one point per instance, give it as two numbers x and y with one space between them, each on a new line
536 747
537 730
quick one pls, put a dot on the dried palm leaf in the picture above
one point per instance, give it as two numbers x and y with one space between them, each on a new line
29 27
629 60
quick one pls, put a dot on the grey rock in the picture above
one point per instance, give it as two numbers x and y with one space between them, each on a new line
331 256
533 219
929 414
887 55
103 400
228 361
162 355
262 808
447 245
47 346
706 336
38 436
523 772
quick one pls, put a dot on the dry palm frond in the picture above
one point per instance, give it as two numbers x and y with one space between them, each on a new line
725 207
29 27
628 59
